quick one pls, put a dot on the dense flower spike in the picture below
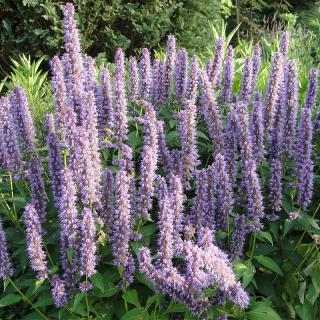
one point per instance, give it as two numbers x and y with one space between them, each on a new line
145 75
164 153
105 111
54 159
257 129
107 203
134 79
34 242
38 192
90 75
149 161
272 93
12 158
214 68
256 63
6 269
69 225
58 291
312 89
211 114
76 73
187 131
122 221
285 44
88 246
59 93
246 87
292 102
250 182
228 76
181 75
22 120
275 186
120 101
231 146
223 191
238 238
304 164
156 80
169 68
193 80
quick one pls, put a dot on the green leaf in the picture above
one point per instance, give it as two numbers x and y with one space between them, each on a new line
315 277
131 297
269 264
200 134
69 254
97 280
265 235
174 307
301 291
144 280
108 292
77 300
9 299
148 230
136 314
153 299
262 311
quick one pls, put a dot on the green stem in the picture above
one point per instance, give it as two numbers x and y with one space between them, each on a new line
25 298
253 245
87 301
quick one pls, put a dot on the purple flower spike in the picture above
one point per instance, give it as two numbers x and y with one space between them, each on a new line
34 242
54 159
106 112
134 79
91 77
59 93
58 291
122 222
169 68
231 146
275 195
211 114
12 159
272 93
312 89
106 210
292 102
214 68
22 120
246 87
88 246
69 225
181 75
285 44
145 75
228 76
164 153
193 80
6 269
156 80
304 164
120 101
256 63
38 192
189 152
166 220
238 238
257 129
223 190
76 73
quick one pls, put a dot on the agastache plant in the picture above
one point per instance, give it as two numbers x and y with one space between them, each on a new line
6 269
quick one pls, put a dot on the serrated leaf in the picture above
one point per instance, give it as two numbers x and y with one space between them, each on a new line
9 299
77 299
148 230
265 235
131 296
269 264
315 277
98 281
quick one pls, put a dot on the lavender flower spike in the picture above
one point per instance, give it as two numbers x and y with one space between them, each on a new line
256 63
23 120
169 68
228 76
88 246
120 101
69 224
181 75
122 221
54 159
34 242
238 238
193 80
12 156
285 44
134 79
275 194
145 75
312 89
6 269
246 88
164 153
214 72
58 291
